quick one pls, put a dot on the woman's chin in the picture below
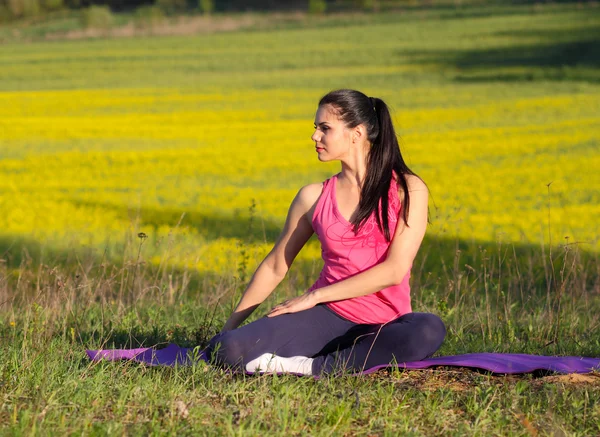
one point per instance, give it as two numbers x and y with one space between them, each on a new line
324 158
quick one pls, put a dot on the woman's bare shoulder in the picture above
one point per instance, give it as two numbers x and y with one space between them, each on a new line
309 194
415 183
307 198
416 187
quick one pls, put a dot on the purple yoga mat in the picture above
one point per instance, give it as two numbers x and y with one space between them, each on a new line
497 363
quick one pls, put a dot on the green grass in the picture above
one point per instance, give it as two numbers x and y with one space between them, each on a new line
105 138
49 386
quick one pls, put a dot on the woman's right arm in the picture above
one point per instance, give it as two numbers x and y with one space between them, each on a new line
296 232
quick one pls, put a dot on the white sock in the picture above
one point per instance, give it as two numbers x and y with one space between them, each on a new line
270 363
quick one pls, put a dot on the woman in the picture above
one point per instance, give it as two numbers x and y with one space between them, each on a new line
370 219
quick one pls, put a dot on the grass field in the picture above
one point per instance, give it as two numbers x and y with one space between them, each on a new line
201 142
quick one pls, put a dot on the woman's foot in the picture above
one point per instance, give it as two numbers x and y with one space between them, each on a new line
270 363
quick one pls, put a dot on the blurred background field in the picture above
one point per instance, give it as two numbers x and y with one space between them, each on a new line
142 177
500 115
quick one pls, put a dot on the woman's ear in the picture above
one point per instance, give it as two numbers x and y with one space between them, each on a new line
359 134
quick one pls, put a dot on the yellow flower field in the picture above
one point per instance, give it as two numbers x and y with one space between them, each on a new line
108 167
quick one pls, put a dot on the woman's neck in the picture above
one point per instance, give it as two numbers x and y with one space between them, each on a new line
354 170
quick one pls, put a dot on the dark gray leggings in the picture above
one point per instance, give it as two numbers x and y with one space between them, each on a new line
335 343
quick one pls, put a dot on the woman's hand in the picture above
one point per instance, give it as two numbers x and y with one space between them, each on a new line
300 303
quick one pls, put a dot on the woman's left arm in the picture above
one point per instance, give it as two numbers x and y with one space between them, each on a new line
403 249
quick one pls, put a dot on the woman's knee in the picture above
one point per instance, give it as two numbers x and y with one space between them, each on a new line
433 330
227 349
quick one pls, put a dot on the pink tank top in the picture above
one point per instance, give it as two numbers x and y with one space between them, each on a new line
346 254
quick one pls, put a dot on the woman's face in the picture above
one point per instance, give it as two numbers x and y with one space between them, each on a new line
332 138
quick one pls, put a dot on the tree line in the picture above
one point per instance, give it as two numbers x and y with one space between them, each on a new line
16 9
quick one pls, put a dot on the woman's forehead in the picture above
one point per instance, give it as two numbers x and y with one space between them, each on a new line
326 113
